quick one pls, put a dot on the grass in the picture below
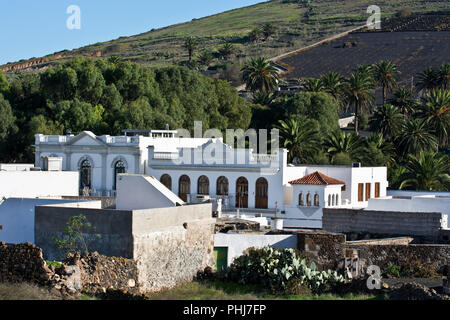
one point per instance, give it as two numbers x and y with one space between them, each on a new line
217 290
24 291
294 30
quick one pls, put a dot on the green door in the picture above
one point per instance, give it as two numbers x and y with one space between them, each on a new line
220 257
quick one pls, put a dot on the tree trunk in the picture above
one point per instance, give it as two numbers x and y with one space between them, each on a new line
384 95
356 119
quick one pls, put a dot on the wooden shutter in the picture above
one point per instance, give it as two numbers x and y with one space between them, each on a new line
360 192
377 190
367 191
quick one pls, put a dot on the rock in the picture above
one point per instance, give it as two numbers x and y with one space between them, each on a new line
415 291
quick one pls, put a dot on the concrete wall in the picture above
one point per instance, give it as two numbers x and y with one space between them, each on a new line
169 245
424 224
237 243
33 184
17 218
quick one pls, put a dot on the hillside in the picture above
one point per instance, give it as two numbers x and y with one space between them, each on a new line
297 26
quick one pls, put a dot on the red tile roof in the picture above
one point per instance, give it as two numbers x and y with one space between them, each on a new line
317 178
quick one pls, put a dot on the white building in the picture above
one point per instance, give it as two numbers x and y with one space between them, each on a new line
202 168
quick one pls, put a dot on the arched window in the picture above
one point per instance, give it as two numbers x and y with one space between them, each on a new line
301 201
222 186
337 199
262 194
203 185
308 200
85 174
316 200
329 200
119 167
242 193
167 181
184 187
333 200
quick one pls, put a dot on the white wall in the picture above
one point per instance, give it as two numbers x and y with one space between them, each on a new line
238 243
32 184
17 217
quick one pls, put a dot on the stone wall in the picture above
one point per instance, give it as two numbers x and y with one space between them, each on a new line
423 224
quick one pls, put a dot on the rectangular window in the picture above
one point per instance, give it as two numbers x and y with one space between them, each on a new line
1 227
360 192
377 189
343 188
367 191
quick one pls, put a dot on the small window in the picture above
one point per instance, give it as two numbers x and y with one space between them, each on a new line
308 200
301 201
333 200
337 199
329 200
343 188
316 200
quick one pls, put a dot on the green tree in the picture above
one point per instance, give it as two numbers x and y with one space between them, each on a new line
333 83
227 50
415 138
191 45
359 93
428 79
4 84
314 85
256 35
205 58
6 117
387 120
301 138
429 172
269 30
74 238
435 108
404 100
260 75
386 74
444 76
340 142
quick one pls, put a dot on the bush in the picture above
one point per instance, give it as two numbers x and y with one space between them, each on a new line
281 271
393 270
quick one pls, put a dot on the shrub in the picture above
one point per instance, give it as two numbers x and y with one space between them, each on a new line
392 270
280 271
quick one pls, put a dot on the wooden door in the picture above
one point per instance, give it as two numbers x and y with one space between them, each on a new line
242 193
377 190
261 195
367 191
184 187
360 192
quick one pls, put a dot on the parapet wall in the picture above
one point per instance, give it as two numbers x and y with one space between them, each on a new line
423 224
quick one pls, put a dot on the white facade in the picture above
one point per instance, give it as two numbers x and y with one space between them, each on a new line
207 168
33 184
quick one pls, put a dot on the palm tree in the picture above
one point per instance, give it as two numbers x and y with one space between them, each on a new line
428 79
386 74
205 58
269 30
115 60
339 142
404 100
191 45
377 151
444 76
301 138
387 120
262 98
359 93
429 171
435 108
416 137
333 84
227 50
313 85
256 35
260 75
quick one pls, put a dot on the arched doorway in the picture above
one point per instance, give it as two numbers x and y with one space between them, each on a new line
85 174
242 193
166 180
262 194
184 187
119 168
203 185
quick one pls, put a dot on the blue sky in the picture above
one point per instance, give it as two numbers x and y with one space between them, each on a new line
34 28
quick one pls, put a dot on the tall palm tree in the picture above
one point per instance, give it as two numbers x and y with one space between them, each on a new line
359 93
387 120
404 100
191 45
428 79
313 85
444 76
301 138
429 172
435 108
386 74
416 137
260 75
340 142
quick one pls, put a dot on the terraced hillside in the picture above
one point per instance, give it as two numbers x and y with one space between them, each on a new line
412 51
297 26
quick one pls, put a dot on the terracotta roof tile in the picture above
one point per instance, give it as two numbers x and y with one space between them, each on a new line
317 178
